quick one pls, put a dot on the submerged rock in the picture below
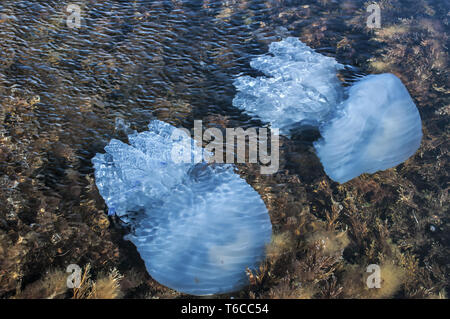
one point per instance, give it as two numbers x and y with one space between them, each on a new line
378 127
196 226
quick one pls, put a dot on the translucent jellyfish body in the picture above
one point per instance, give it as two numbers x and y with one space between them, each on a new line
372 126
300 86
378 127
197 227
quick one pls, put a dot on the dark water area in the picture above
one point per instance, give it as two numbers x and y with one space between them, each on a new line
66 92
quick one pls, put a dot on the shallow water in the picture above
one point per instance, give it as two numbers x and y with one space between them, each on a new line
66 92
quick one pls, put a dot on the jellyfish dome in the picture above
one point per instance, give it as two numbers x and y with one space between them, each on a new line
377 128
197 227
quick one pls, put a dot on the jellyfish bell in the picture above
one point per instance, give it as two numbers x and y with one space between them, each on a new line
377 127
205 235
197 227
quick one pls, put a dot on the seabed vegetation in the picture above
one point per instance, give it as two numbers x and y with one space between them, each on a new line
65 93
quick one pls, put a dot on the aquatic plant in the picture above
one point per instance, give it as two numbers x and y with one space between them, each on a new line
106 285
52 285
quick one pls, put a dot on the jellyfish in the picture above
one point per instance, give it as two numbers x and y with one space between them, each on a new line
378 127
198 227
374 125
